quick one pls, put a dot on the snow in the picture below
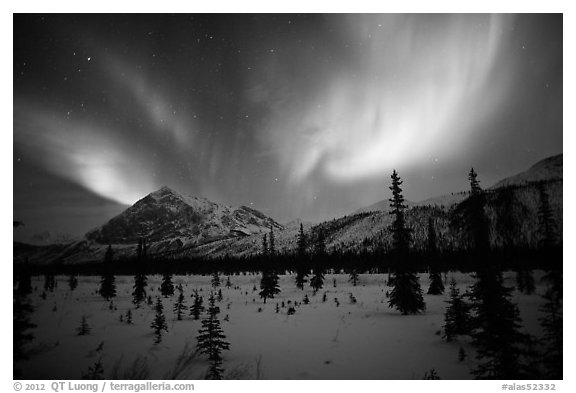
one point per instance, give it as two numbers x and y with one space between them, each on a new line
366 340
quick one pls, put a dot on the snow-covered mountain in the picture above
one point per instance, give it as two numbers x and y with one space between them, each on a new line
546 170
168 216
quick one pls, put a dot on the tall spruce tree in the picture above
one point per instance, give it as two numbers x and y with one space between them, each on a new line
552 324
159 323
457 319
302 263
108 281
406 295
501 349
139 293
477 220
317 279
265 245
211 341
271 242
167 286
436 285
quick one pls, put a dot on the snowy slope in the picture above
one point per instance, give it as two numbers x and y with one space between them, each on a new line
167 216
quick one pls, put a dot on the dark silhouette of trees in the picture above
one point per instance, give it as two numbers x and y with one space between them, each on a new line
211 341
108 286
167 286
354 277
141 249
436 284
400 231
73 282
317 279
525 281
197 307
84 328
551 322
159 323
269 284
548 228
265 250
108 281
477 220
500 346
109 255
271 242
406 295
215 280
139 293
302 263
49 282
22 309
457 319
179 306
24 282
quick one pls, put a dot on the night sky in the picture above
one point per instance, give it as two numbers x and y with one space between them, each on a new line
298 116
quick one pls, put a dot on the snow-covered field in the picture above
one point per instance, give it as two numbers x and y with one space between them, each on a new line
321 340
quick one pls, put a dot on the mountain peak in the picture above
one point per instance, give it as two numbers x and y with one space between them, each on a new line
163 191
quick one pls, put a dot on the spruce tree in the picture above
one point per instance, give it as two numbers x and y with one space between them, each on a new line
159 323
406 295
354 277
22 309
167 286
552 323
73 282
302 263
108 281
474 183
215 280
477 220
107 285
139 293
548 228
436 285
197 307
228 282
317 280
269 284
179 306
457 316
500 346
272 243
84 328
211 341
264 245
